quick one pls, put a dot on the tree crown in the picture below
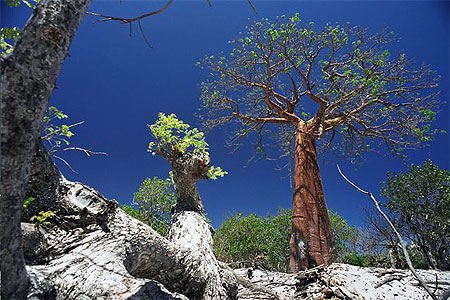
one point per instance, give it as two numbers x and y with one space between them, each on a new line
339 82
173 139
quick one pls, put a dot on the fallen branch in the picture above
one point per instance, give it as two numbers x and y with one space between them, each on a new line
399 237
388 279
389 271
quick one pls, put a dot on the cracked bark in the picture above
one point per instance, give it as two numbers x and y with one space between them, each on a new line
28 78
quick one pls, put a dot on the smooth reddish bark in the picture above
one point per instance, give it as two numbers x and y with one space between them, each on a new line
311 240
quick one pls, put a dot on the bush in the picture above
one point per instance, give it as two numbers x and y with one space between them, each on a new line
256 241
345 236
356 259
152 204
419 201
265 240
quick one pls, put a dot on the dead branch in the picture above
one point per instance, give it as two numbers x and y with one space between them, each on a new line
146 15
388 279
129 20
389 271
399 237
88 152
65 162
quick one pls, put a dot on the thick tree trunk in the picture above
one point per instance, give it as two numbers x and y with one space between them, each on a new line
28 78
311 240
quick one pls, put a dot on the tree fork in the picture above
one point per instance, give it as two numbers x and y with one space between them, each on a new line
311 239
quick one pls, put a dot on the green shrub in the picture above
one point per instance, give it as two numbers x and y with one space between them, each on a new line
257 241
356 259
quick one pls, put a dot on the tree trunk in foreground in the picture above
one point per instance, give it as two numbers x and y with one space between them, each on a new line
311 240
94 250
28 78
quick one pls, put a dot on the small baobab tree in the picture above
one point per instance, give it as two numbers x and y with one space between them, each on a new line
339 84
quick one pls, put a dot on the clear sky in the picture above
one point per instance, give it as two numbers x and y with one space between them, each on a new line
117 85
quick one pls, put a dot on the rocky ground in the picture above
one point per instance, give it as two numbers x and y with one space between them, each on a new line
341 281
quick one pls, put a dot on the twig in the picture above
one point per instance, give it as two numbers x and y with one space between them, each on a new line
388 279
88 152
65 162
48 136
251 5
399 237
250 285
436 287
143 34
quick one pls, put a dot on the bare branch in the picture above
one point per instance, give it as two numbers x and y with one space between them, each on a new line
130 20
261 120
399 237
65 162
88 152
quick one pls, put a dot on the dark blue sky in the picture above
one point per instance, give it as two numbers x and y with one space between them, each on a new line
117 85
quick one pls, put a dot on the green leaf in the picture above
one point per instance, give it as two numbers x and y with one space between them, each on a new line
27 201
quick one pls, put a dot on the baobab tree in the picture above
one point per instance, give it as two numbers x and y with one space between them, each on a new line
338 84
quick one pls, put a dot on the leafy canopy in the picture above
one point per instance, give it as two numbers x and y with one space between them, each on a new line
340 83
173 138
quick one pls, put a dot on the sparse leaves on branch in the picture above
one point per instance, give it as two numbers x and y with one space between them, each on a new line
55 135
42 218
339 83
8 35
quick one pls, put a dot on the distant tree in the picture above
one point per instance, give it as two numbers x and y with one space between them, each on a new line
345 236
154 200
338 84
420 201
255 241
263 241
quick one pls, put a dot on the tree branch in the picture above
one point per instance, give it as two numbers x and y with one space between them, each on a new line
399 237
130 20
261 120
